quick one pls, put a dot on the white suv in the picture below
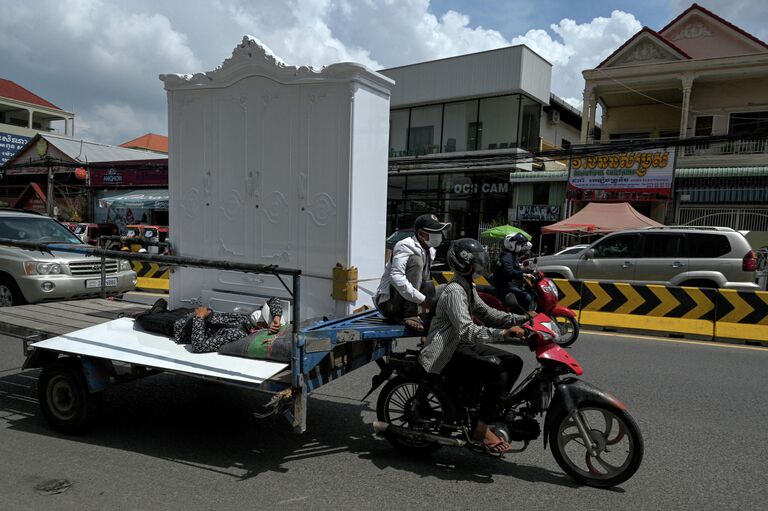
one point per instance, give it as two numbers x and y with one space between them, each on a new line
716 257
29 276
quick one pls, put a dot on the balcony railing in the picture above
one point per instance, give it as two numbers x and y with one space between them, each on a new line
742 146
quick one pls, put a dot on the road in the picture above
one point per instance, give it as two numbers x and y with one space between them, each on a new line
170 442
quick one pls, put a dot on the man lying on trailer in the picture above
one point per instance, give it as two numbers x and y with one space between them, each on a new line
207 331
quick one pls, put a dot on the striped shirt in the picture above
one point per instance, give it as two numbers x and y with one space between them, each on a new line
453 325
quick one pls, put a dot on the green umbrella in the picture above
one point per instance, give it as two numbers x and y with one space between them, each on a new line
500 231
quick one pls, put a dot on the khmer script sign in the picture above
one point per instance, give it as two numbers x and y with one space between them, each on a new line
647 171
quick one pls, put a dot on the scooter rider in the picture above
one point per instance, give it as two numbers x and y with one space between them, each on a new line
456 343
406 290
508 274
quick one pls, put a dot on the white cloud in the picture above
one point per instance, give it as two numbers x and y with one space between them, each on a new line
579 47
101 59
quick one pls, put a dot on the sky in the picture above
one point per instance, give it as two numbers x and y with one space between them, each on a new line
101 59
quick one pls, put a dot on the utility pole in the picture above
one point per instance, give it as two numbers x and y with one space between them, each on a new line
50 188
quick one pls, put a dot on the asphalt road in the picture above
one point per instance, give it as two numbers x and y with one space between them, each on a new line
170 442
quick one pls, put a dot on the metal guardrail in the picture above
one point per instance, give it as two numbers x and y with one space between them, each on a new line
171 260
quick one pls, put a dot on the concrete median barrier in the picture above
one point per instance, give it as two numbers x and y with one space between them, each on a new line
151 276
722 314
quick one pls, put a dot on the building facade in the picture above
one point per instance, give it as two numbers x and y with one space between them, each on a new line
699 76
463 131
23 114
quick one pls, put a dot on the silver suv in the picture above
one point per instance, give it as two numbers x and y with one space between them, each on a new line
716 257
31 276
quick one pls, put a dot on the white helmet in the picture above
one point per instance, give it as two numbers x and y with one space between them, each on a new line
515 242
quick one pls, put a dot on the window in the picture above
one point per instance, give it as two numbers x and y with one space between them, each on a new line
565 144
540 193
748 123
702 245
425 129
474 136
398 132
530 114
499 118
458 122
663 245
617 247
703 126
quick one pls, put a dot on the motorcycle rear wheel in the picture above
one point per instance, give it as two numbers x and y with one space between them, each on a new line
569 330
397 406
618 439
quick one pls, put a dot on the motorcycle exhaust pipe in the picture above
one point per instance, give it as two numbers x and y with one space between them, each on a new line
381 427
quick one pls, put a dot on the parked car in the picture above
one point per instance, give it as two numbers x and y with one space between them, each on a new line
716 257
32 276
89 233
572 250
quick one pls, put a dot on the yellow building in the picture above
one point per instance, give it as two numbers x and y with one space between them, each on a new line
698 76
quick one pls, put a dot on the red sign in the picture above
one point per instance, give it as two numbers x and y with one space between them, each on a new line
129 177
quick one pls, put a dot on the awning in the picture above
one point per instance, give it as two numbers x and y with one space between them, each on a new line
148 199
721 172
538 176
600 218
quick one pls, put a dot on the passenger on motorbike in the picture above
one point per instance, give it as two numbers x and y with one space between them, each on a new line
508 274
455 343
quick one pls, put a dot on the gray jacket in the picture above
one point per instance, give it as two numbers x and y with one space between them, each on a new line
452 324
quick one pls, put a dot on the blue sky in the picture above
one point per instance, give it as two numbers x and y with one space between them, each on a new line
101 58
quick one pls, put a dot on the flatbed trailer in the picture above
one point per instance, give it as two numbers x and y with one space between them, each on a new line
78 366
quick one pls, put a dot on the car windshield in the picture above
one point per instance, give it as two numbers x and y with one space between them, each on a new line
572 250
41 229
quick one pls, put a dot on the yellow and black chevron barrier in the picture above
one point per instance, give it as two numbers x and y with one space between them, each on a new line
742 315
444 277
151 276
711 313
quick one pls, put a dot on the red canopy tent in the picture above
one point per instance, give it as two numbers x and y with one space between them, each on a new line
602 218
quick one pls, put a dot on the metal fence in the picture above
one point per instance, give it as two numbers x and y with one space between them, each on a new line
740 219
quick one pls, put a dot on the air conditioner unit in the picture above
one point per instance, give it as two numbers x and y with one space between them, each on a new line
554 116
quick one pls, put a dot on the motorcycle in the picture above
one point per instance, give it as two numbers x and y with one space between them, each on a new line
590 433
544 298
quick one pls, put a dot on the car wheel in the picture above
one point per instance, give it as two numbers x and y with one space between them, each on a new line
9 293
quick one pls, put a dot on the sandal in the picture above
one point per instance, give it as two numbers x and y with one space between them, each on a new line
414 323
495 448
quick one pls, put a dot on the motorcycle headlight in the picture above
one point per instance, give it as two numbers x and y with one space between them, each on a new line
125 265
38 268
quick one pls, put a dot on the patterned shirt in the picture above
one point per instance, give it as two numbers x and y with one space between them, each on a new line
217 329
452 324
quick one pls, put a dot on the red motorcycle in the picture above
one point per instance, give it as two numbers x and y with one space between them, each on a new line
544 299
590 433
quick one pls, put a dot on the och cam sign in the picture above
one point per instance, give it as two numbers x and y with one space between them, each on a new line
649 171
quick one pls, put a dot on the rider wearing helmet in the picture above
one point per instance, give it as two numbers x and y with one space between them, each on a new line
457 343
508 274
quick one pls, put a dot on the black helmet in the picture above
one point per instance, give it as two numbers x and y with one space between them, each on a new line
467 255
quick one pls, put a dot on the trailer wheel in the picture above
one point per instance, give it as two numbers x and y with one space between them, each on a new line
67 404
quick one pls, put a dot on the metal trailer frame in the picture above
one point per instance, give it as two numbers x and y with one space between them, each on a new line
320 353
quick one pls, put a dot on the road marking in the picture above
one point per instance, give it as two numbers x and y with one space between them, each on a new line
679 341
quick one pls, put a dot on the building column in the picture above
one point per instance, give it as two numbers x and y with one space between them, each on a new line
31 112
687 83
585 114
592 115
604 135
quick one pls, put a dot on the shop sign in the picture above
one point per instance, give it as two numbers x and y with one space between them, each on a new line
481 188
129 177
538 213
10 144
648 171
112 177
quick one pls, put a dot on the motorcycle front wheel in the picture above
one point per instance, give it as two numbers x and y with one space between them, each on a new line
569 330
399 405
619 445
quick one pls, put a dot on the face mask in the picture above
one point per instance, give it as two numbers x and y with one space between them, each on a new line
434 240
